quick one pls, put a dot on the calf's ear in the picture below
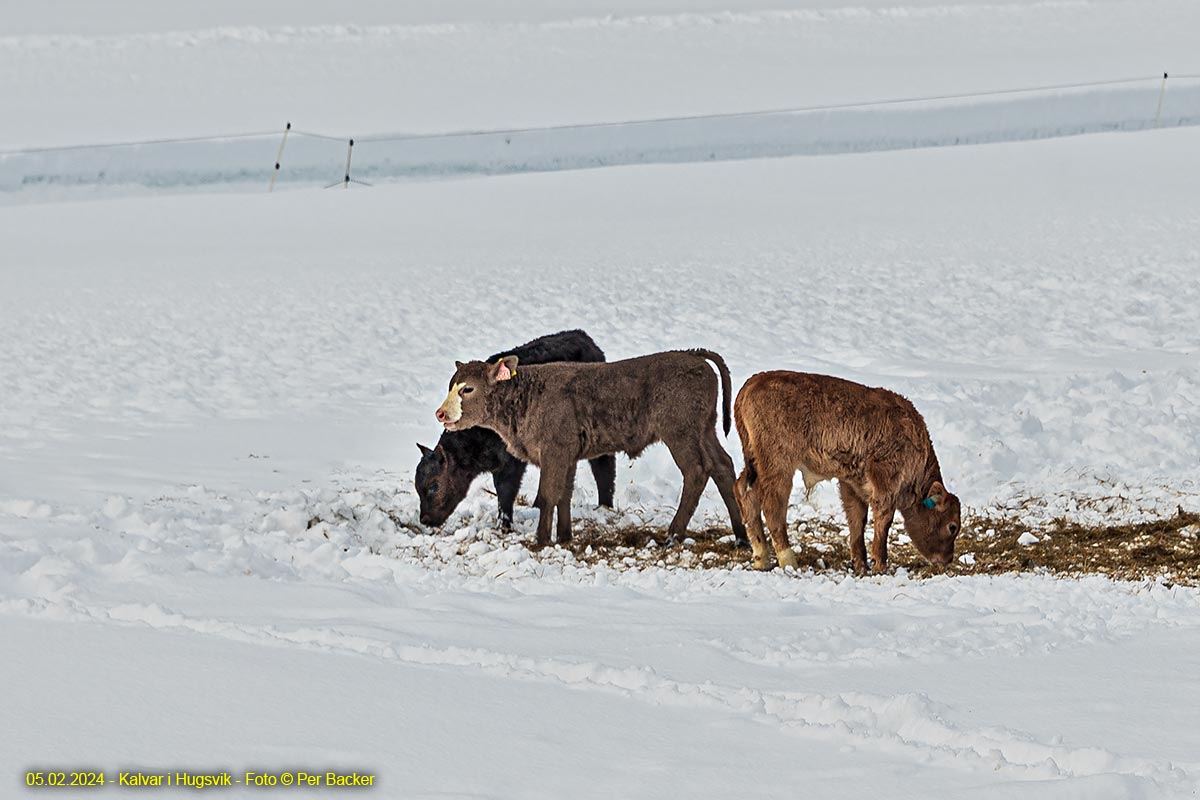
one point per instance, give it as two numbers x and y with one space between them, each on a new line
936 498
458 365
504 369
425 451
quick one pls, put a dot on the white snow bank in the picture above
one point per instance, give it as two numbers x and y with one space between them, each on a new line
307 160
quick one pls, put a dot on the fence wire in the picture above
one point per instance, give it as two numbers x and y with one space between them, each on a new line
315 157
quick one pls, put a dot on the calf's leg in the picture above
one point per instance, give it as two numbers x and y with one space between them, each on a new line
856 518
689 457
604 470
747 497
773 496
882 515
507 480
550 490
723 477
564 507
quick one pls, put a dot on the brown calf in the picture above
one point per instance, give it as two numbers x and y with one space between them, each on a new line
555 415
872 440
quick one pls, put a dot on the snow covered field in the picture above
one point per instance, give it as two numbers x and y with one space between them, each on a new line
209 406
144 71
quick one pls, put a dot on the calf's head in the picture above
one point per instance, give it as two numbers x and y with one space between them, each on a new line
441 483
465 405
933 524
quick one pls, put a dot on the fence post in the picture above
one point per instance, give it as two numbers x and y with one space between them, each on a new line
1161 92
279 157
346 180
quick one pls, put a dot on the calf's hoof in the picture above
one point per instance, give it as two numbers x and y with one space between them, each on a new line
879 568
761 562
787 558
860 568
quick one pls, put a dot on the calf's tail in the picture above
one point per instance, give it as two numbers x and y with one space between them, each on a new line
750 473
726 383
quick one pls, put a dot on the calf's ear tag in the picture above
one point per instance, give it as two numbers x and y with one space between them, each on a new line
929 502
505 369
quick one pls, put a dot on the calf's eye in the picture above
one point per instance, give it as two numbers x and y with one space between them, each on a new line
468 389
953 529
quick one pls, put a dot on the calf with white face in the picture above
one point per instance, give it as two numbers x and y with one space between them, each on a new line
446 471
553 415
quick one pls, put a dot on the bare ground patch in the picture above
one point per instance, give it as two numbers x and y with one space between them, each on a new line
1167 547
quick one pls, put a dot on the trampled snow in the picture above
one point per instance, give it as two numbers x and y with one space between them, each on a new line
209 551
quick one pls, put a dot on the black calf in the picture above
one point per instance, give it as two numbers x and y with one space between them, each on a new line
445 472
